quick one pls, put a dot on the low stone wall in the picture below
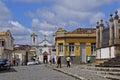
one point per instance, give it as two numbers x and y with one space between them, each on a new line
74 59
99 61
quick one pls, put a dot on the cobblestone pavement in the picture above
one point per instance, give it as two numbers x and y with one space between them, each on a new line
84 74
33 72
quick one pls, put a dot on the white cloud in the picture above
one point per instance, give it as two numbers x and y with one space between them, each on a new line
82 5
97 17
46 32
20 33
5 15
70 14
42 25
16 24
118 11
35 22
60 13
46 14
4 12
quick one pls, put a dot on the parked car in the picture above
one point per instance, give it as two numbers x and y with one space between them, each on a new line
4 63
32 62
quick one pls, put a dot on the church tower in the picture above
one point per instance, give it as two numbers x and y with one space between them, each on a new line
33 38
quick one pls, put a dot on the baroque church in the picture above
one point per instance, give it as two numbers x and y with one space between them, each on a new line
43 51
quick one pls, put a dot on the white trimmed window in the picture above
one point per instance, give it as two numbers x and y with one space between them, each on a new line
60 46
71 49
93 47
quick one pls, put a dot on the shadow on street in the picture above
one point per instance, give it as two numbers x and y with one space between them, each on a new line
8 70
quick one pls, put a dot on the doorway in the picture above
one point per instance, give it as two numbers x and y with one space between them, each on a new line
45 57
83 52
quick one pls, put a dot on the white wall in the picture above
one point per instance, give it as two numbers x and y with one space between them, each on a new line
41 58
105 53
98 54
112 52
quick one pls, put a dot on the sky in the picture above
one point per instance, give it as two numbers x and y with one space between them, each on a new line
45 16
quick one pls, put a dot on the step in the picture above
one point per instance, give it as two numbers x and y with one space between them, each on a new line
114 73
109 66
112 77
108 75
104 69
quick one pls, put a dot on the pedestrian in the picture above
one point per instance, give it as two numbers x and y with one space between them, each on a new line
59 62
17 62
88 59
13 62
53 60
50 61
68 61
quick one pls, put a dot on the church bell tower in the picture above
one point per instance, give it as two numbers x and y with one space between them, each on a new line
33 38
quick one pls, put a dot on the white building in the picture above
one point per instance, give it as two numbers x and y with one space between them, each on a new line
44 50
20 54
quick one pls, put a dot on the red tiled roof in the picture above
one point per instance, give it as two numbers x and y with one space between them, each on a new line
84 31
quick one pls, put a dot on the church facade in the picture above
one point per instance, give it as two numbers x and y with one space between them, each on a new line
43 51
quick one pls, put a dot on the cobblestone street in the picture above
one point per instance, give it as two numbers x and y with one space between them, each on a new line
33 72
50 72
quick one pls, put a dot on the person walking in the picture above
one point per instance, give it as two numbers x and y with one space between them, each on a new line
68 61
88 59
59 62
14 62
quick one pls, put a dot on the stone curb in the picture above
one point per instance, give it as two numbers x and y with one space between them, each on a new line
70 74
102 69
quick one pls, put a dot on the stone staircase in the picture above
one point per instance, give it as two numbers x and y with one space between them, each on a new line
106 72
114 62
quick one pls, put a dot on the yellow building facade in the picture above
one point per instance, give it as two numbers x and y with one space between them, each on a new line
78 44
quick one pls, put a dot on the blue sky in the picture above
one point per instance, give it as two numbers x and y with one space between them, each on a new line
47 15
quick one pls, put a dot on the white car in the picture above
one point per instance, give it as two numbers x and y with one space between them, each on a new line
32 62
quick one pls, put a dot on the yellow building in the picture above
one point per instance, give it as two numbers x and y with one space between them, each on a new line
78 44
